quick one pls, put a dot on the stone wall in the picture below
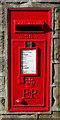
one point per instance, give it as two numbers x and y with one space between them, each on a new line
55 85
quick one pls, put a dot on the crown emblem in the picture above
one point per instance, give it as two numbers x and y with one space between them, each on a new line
29 82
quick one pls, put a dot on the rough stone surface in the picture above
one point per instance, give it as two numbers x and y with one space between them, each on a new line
55 115
57 25
46 0
56 94
57 31
56 78
47 116
2 106
57 15
30 117
30 0
14 1
57 73
57 49
3 60
58 114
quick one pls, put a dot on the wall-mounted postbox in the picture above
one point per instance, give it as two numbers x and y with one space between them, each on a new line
29 36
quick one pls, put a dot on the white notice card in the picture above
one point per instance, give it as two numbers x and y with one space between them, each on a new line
28 61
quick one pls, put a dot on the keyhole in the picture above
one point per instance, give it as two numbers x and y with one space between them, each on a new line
19 77
28 44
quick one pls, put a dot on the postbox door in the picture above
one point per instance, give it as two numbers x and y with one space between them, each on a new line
29 82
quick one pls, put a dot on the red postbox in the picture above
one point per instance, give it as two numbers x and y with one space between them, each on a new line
29 37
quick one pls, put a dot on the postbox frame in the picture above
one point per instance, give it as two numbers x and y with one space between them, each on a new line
6 57
46 108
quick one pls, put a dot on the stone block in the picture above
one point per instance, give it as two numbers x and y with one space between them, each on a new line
2 81
56 36
28 4
57 25
21 117
57 15
45 0
1 64
58 115
56 95
0 9
56 92
22 1
57 32
57 74
55 1
2 87
0 19
0 29
14 1
2 106
57 49
49 117
45 116
57 10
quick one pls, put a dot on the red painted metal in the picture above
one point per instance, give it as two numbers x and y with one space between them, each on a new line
29 92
